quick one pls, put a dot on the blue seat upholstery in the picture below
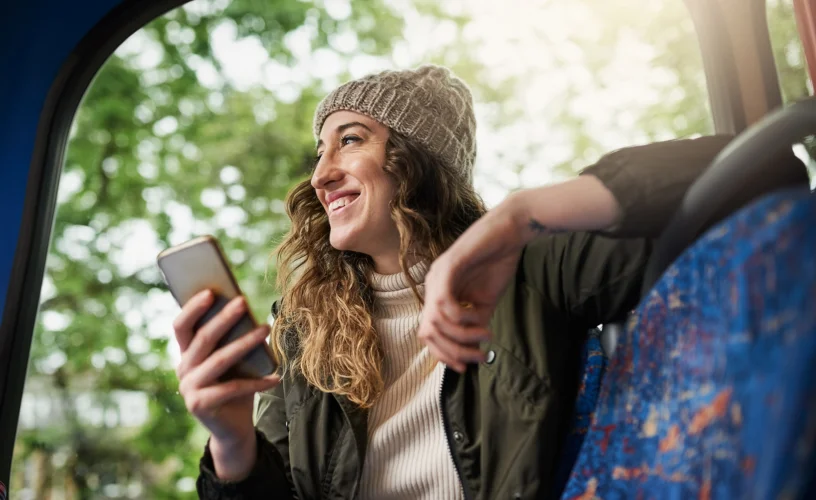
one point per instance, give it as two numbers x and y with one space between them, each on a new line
711 392
592 369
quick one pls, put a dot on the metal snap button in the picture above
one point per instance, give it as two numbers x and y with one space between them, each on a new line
491 357
458 436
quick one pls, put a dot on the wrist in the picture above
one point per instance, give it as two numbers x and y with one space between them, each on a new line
528 214
581 204
234 459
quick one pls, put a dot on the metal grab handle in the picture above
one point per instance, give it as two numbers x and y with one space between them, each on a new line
745 164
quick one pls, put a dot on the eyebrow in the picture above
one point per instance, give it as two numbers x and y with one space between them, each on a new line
343 128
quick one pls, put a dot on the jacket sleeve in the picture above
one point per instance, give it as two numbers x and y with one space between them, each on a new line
649 181
270 477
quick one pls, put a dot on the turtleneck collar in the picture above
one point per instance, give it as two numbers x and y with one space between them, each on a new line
398 281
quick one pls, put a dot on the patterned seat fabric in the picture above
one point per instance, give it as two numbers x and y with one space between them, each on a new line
711 392
592 369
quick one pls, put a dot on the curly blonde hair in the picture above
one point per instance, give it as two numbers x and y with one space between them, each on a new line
324 329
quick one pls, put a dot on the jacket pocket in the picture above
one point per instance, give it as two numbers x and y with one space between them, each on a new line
513 383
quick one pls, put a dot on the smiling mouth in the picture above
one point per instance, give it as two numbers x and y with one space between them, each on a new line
341 203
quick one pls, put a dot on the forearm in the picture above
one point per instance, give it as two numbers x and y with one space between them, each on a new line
647 184
581 204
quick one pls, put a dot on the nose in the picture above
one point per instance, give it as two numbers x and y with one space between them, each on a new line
326 171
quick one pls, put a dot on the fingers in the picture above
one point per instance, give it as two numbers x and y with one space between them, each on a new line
454 355
454 344
440 294
208 399
208 336
461 334
222 359
190 313
450 328
461 313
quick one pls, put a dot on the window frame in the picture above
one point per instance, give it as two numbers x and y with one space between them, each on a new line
743 84
61 103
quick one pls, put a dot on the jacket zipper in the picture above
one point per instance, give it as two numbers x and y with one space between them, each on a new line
446 427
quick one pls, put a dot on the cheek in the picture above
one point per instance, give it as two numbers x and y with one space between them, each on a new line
385 197
388 186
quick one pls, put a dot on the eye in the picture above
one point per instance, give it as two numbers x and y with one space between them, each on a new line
315 161
348 139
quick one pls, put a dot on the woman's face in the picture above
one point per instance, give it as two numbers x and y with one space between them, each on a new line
354 188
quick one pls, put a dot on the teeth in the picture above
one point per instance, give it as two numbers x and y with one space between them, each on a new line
341 202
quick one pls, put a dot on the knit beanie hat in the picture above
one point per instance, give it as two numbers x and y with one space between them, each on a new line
428 105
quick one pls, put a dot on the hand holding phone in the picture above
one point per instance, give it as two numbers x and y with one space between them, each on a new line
225 359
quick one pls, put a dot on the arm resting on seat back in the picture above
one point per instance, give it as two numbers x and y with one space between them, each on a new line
595 277
598 278
629 193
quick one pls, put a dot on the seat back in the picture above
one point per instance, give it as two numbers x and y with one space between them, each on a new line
712 389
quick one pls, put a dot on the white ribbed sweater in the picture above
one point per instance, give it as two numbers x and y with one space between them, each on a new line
407 455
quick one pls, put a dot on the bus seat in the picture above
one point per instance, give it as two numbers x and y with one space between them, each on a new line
712 392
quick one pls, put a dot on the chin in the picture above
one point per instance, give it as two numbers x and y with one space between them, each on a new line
343 242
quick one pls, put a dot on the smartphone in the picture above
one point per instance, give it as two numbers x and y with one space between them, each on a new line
200 264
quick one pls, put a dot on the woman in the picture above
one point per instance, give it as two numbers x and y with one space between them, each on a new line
363 408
